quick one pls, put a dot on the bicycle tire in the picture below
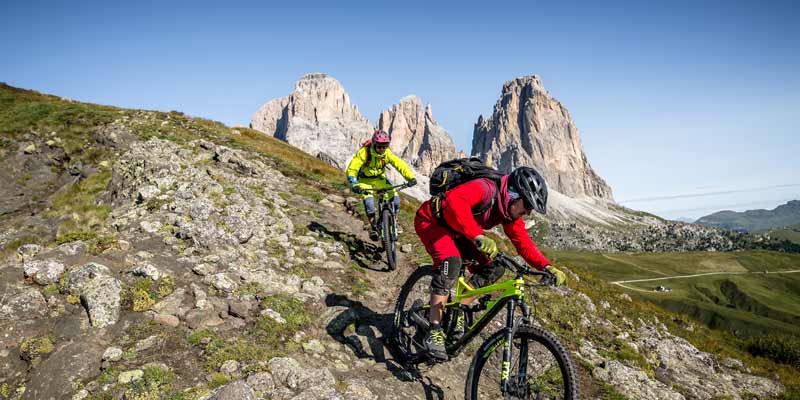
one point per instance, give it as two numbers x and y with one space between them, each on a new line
388 239
491 352
407 334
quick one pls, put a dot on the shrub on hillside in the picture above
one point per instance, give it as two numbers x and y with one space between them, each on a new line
781 348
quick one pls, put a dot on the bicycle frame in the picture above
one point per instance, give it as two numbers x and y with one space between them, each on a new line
513 296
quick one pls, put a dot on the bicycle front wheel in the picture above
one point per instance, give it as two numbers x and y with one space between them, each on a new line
388 239
540 368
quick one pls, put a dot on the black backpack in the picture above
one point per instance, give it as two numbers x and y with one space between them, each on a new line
450 174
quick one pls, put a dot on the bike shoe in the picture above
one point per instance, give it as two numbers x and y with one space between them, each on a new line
434 344
373 235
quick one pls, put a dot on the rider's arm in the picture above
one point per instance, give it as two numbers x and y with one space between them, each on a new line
525 247
458 212
399 165
355 164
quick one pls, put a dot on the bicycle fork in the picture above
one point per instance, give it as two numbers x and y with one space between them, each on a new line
523 361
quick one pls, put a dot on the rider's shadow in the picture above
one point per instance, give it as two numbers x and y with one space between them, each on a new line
365 254
365 323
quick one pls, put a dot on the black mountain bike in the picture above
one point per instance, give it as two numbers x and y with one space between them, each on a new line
519 361
385 216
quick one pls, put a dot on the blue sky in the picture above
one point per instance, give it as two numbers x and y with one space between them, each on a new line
673 98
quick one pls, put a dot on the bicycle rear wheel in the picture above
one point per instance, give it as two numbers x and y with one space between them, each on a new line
540 368
388 239
411 314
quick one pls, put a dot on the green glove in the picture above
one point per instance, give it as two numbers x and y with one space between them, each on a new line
561 278
486 245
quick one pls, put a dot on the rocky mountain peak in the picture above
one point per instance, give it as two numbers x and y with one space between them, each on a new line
317 117
416 136
530 127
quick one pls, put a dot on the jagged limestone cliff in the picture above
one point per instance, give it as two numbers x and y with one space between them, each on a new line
416 136
317 117
530 127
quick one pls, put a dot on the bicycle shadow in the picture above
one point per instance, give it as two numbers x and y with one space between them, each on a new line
366 255
358 323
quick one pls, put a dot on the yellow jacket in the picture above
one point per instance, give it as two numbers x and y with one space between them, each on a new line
358 167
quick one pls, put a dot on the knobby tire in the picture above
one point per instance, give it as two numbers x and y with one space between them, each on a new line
551 347
388 239
407 336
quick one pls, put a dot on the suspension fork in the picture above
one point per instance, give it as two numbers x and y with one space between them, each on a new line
512 305
523 348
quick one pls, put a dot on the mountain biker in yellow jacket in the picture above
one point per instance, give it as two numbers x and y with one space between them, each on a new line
367 170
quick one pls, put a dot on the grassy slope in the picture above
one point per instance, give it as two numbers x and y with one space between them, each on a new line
752 302
790 233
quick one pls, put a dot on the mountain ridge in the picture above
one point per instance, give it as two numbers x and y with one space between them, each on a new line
754 220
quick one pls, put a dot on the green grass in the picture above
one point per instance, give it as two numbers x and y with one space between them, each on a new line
790 233
217 350
77 206
746 301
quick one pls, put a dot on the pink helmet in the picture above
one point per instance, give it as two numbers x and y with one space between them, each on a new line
380 137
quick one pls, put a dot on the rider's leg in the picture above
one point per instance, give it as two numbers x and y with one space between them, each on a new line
438 242
444 278
396 203
486 275
369 207
471 252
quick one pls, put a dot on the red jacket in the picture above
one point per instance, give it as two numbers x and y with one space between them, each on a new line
462 201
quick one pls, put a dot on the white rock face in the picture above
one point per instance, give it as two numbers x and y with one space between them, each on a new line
416 137
317 117
529 127
43 272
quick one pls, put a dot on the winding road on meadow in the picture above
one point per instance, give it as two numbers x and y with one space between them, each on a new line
622 283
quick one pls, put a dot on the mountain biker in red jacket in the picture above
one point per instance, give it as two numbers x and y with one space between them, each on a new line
459 233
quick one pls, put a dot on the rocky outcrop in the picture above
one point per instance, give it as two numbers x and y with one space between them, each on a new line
99 292
416 137
317 117
529 127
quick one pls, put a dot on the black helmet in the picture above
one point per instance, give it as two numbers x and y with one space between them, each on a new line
531 188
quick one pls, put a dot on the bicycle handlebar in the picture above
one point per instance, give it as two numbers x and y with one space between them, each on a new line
512 265
384 190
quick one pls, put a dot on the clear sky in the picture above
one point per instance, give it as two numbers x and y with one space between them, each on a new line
672 98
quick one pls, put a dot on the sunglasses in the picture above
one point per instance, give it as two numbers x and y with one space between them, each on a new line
381 146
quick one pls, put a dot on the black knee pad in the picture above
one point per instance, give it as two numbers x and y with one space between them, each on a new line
445 275
487 275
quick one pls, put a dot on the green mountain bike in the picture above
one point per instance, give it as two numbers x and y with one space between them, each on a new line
387 220
519 361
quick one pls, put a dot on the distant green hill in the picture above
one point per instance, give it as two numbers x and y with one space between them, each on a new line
749 292
755 220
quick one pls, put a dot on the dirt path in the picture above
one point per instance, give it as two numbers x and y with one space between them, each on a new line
370 316
622 283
